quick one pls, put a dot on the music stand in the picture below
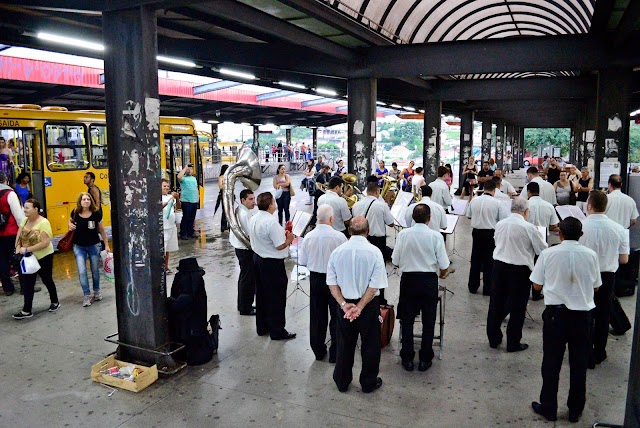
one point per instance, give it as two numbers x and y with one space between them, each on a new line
300 222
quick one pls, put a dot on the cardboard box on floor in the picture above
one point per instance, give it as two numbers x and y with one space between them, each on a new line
147 375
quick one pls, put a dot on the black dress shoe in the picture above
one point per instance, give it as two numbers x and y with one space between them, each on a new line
343 388
332 359
574 417
320 357
286 336
377 385
423 366
600 358
495 345
537 407
8 293
408 365
251 312
520 347
536 298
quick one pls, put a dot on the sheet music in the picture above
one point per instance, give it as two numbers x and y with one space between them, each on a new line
399 207
565 211
452 221
459 206
543 232
300 221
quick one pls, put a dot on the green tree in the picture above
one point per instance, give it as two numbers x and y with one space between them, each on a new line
556 137
634 143
301 133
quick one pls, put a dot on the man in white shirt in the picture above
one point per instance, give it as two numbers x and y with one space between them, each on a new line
246 280
568 273
621 208
541 212
418 180
438 217
314 254
517 243
485 212
270 244
547 192
610 241
421 256
505 186
441 192
333 197
355 273
378 214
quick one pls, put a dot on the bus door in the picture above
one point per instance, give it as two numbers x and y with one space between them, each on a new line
31 159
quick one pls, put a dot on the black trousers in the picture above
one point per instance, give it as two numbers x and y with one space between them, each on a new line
367 325
7 249
321 305
601 315
28 282
535 294
509 295
246 280
481 260
380 242
271 296
418 293
564 327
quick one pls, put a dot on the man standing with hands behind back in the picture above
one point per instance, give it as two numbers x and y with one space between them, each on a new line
355 273
246 280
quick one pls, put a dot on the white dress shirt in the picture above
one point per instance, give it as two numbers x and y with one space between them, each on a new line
517 241
379 215
507 188
547 192
266 234
244 215
441 193
417 182
499 194
355 266
542 213
485 211
621 208
569 272
420 249
317 247
341 211
14 204
438 215
607 238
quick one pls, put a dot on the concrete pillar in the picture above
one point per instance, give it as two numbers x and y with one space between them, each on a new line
133 130
521 146
431 140
515 143
499 144
361 127
612 124
255 147
314 142
589 155
466 141
578 137
486 140
287 134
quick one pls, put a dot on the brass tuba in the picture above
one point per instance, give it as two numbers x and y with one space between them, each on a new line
351 192
247 170
389 189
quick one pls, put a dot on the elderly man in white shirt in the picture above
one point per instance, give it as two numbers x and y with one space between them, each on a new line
621 208
441 192
547 192
438 217
421 256
485 212
270 244
355 273
517 244
333 197
569 273
610 241
314 254
246 280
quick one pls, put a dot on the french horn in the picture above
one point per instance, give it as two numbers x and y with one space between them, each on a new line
247 170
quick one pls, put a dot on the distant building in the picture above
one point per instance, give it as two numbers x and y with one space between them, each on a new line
397 153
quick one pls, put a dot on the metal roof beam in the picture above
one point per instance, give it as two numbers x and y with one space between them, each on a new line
273 95
628 23
318 102
216 86
601 15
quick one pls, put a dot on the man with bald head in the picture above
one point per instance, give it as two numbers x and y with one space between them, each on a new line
355 274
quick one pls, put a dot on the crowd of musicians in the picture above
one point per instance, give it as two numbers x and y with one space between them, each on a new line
346 253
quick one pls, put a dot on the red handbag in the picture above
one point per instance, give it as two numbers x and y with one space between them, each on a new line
66 243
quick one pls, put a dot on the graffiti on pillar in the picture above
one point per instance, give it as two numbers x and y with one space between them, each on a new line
255 146
486 147
358 127
431 158
499 150
360 165
614 123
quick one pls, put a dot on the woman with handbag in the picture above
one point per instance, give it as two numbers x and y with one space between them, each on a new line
309 172
34 239
470 178
86 225
282 183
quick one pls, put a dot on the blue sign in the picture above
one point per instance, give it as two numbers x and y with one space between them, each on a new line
47 182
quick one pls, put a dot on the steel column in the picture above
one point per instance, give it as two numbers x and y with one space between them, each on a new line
578 137
612 123
287 134
589 155
499 144
486 140
521 145
314 142
361 127
431 139
133 116
466 141
516 148
255 147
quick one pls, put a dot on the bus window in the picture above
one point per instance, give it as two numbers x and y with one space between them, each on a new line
66 147
99 146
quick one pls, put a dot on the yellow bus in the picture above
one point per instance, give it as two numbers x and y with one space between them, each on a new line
56 148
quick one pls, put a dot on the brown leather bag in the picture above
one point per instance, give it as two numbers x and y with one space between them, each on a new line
387 321
66 243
